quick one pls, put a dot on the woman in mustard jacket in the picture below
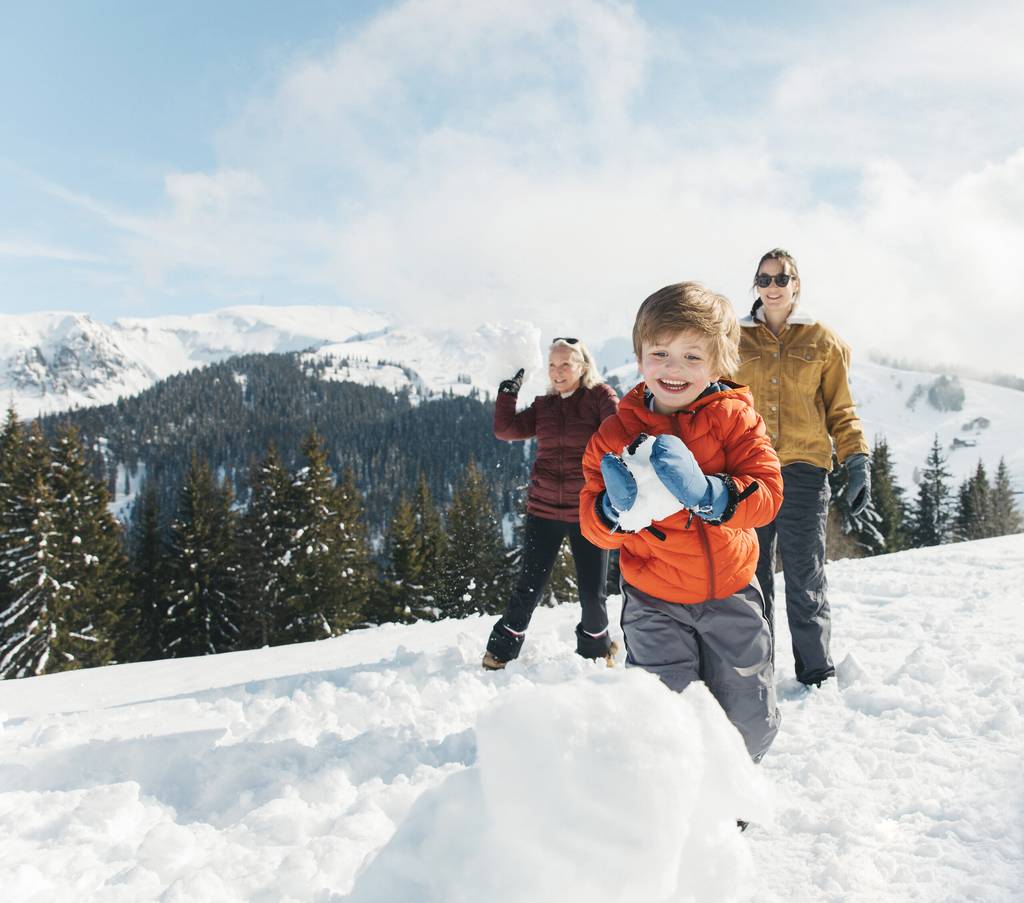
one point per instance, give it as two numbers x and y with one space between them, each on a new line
798 371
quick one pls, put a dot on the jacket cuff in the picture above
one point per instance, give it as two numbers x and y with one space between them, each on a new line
734 497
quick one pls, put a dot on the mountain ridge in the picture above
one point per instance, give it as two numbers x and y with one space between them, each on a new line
59 361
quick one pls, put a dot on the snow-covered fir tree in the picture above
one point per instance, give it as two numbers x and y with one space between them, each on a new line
331 587
888 499
1005 515
563 586
475 577
267 547
33 627
203 613
415 544
353 551
973 518
140 635
93 566
933 515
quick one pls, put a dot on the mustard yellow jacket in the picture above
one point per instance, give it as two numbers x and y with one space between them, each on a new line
800 383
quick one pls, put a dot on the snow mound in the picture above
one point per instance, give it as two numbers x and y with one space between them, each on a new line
608 787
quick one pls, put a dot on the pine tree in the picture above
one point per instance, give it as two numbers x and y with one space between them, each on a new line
1006 518
933 515
352 546
93 564
403 577
203 612
267 543
140 636
415 544
475 576
887 498
433 549
331 552
563 586
32 618
973 517
11 445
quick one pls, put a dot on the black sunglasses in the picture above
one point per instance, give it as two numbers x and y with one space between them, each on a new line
764 280
564 338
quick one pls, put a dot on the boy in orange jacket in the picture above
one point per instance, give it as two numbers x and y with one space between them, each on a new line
677 481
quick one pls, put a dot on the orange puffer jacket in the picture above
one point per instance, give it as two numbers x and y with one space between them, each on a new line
696 560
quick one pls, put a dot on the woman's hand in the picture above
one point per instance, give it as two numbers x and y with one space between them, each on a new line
512 386
858 484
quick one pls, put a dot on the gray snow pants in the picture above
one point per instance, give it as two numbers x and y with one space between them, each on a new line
799 531
724 642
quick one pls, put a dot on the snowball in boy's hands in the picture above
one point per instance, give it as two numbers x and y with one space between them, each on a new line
678 469
653 500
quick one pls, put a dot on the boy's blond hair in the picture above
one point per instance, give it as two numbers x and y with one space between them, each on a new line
690 307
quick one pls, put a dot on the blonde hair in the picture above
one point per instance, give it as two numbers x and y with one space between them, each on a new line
589 377
788 266
685 307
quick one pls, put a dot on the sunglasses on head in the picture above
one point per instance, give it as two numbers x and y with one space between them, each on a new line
564 338
764 280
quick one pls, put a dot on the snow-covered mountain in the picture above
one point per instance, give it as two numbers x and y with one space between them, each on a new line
56 361
386 765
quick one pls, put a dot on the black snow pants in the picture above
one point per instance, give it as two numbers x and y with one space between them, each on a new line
799 533
541 541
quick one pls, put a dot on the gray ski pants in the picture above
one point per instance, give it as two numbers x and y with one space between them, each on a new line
799 532
724 642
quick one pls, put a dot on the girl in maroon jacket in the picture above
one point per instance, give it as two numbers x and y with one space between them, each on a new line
563 421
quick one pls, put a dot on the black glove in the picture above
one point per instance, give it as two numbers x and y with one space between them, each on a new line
512 386
858 483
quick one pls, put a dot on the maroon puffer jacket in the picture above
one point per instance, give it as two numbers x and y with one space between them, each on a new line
563 427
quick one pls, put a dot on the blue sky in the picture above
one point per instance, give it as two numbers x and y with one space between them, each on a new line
455 162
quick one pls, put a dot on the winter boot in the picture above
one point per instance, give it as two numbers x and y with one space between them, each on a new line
491 663
601 646
503 645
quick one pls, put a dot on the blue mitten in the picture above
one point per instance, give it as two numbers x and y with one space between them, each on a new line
678 470
619 485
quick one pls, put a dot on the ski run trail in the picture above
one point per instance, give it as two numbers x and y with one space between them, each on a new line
386 765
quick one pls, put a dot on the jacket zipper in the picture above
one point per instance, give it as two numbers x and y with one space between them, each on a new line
701 530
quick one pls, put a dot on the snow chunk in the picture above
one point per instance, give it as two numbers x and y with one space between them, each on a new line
608 787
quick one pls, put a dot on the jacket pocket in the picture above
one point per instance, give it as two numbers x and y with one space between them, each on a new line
749 371
804 367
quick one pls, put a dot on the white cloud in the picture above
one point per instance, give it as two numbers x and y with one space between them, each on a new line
33 249
460 160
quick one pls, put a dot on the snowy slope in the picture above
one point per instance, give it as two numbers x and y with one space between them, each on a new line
386 765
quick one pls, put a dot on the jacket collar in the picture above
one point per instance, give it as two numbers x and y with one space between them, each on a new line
635 400
796 318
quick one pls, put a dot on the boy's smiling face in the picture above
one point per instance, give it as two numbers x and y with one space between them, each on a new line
676 369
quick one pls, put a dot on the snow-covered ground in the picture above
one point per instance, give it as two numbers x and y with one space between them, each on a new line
386 765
